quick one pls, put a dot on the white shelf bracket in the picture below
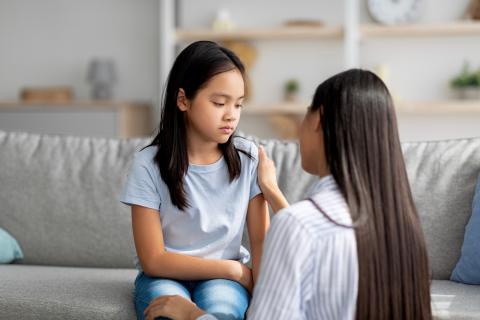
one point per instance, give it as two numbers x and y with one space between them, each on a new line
351 37
166 15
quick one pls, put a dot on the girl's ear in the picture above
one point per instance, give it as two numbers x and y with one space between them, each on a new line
182 101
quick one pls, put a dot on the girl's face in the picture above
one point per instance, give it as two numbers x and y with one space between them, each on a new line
214 112
312 147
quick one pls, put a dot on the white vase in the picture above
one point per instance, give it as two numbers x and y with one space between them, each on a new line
469 93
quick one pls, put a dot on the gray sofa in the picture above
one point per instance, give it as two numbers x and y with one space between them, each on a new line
59 199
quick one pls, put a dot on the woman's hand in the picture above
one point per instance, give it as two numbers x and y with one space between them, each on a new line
267 180
173 307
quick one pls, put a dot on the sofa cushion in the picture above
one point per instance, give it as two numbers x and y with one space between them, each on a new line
467 269
451 300
40 292
443 176
59 199
9 248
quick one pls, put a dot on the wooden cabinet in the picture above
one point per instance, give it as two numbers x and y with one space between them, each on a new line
110 119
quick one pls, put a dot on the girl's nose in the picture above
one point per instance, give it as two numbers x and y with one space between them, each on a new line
231 113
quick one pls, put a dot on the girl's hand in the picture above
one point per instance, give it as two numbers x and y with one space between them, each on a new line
267 178
173 307
242 274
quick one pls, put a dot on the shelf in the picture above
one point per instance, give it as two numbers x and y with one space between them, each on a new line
104 118
403 107
89 104
439 107
278 33
288 108
456 28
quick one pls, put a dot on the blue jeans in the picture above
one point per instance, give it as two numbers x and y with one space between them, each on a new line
223 298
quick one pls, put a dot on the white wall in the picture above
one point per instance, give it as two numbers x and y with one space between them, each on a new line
50 42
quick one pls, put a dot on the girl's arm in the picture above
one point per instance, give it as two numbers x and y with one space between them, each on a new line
258 222
267 180
156 262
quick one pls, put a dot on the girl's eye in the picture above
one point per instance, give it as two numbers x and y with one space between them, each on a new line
239 106
218 104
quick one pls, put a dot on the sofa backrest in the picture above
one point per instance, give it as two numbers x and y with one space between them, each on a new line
443 175
59 199
59 195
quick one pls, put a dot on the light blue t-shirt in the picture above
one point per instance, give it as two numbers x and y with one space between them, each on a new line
212 226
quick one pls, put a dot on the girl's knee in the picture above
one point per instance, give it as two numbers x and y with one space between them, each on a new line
148 288
225 299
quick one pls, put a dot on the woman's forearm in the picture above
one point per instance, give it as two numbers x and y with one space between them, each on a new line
275 199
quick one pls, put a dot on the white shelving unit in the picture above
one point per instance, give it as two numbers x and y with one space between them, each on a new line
367 31
351 32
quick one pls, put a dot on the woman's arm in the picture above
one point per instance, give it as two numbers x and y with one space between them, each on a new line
258 222
287 271
267 180
156 262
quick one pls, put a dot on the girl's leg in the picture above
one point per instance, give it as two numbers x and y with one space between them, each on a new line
147 289
225 299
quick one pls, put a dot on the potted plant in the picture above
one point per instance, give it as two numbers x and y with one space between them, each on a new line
291 90
467 83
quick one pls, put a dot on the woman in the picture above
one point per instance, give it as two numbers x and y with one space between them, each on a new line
355 249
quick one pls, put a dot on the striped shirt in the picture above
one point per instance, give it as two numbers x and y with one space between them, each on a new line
309 267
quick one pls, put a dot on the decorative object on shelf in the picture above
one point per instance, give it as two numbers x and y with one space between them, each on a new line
383 72
121 119
223 21
303 23
248 55
291 90
102 75
396 11
473 11
467 83
61 94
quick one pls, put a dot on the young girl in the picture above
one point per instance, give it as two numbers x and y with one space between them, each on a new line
192 189
355 248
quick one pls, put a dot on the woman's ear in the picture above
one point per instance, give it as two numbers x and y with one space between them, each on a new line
182 101
318 119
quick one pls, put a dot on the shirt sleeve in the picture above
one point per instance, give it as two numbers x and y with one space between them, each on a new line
207 317
140 188
287 265
254 187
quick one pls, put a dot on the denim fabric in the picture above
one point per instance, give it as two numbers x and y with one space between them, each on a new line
225 299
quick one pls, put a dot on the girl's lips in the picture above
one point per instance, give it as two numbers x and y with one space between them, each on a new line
226 129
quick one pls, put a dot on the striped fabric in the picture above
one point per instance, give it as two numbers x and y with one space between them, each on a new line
309 268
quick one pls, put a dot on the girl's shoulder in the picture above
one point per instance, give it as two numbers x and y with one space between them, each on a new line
146 155
246 146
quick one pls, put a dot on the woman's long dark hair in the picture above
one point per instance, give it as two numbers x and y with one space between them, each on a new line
192 69
364 156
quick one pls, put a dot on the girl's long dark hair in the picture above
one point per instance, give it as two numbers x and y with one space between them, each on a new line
192 69
364 156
